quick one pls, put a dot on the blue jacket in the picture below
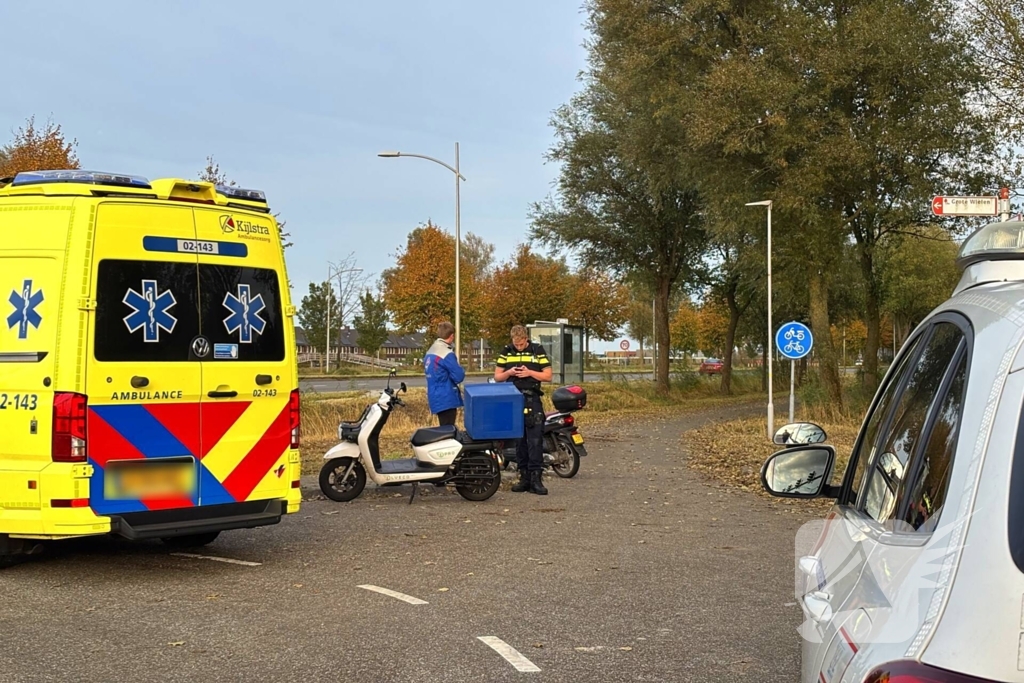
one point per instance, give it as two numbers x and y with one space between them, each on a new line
444 374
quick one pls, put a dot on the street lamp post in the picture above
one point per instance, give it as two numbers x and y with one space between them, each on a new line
331 273
458 237
771 336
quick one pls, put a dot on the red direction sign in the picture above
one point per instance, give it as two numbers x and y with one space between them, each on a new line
624 345
965 206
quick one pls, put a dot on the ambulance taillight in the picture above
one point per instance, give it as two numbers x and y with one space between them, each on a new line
69 418
294 418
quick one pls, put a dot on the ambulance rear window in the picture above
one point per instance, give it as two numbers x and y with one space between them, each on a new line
153 311
146 311
240 312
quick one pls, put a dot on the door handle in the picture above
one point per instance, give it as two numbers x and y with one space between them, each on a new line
140 382
818 606
263 379
222 394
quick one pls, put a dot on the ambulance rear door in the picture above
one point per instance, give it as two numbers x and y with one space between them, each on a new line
142 375
248 373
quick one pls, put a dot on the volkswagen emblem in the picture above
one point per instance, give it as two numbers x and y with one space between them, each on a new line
201 347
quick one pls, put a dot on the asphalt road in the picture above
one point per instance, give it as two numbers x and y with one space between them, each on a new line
635 570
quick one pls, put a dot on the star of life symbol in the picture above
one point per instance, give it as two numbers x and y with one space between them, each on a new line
25 313
245 314
150 311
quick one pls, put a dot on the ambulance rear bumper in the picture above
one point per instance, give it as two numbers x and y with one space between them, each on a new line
197 520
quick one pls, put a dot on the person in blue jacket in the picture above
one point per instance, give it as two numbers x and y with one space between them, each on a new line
444 374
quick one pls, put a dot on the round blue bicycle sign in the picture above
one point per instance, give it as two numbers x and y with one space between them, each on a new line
794 340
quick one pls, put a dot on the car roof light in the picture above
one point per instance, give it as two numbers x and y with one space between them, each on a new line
241 193
77 176
993 242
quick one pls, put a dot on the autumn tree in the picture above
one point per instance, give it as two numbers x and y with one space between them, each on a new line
371 323
598 304
419 290
526 288
37 149
479 253
712 328
313 313
685 329
640 319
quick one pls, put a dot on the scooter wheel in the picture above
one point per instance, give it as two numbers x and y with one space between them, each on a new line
567 462
331 479
487 485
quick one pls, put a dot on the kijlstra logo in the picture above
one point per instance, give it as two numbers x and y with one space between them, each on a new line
228 225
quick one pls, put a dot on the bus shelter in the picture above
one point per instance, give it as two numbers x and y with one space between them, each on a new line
564 345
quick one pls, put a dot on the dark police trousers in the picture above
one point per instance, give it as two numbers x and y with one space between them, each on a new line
530 449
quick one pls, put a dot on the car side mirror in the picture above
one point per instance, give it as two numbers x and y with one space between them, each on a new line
799 472
799 434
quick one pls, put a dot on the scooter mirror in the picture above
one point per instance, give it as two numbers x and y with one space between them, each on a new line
404 389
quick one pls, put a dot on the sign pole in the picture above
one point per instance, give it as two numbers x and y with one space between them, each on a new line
1004 204
792 384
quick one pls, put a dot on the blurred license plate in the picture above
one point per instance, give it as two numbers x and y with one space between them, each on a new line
577 438
150 479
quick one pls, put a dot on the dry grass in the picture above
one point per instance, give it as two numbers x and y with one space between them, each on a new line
606 401
733 452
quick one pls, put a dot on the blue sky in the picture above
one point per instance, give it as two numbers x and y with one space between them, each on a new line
297 99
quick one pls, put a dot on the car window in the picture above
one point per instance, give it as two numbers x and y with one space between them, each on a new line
145 311
886 480
865 449
931 478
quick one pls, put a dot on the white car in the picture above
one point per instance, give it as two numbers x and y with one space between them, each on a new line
918 573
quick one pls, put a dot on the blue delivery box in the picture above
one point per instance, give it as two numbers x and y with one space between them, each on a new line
494 411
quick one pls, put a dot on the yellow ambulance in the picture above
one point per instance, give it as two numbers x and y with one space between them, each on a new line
148 384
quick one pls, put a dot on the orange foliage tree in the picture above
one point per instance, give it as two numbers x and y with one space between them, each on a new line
37 149
712 328
526 288
597 303
419 291
684 328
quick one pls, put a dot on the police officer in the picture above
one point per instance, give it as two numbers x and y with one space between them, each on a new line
526 365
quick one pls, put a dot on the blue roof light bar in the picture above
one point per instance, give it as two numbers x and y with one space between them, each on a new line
240 193
76 176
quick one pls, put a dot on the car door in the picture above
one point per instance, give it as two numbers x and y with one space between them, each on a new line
829 573
896 477
141 381
248 372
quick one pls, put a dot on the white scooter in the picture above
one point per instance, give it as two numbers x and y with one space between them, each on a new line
441 456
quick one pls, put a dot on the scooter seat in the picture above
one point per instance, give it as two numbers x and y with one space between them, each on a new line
428 435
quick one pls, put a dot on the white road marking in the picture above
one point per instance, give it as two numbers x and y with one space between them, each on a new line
511 655
227 560
394 594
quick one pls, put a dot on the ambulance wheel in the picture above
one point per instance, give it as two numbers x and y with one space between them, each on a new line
338 490
567 463
482 488
191 540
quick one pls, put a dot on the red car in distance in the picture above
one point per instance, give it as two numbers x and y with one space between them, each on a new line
710 366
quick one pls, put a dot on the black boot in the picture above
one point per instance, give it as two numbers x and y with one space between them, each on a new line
524 483
537 484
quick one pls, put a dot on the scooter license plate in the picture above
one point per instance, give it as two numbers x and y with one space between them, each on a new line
577 439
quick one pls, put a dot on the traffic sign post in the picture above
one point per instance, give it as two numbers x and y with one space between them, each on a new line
965 206
794 341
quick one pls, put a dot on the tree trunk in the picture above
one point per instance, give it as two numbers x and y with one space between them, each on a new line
661 322
730 339
873 318
823 339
